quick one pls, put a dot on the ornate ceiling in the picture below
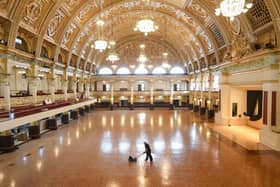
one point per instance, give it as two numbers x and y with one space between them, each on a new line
188 30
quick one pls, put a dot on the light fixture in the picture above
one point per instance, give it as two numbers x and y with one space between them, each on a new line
100 44
146 26
232 8
21 72
142 59
113 57
165 63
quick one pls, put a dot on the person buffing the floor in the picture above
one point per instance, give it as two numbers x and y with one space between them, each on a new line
148 152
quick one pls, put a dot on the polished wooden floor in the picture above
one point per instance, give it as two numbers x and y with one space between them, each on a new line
93 151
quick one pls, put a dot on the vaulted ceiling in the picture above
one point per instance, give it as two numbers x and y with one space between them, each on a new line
188 30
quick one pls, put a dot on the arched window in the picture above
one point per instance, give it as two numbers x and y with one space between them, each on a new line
216 83
44 52
60 58
123 71
105 71
177 70
141 71
21 44
159 70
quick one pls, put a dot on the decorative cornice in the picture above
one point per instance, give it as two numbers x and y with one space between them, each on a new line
252 64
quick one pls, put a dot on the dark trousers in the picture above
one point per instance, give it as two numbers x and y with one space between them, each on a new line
149 156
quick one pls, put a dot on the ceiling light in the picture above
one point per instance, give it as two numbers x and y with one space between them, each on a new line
232 8
146 26
132 66
100 45
142 58
113 57
165 63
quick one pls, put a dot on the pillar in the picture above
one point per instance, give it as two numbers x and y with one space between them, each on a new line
74 84
33 84
269 134
5 91
87 92
224 115
65 84
51 83
65 87
131 93
112 93
210 89
152 93
202 99
171 92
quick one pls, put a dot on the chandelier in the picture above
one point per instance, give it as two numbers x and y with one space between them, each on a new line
100 44
146 26
142 59
165 63
232 8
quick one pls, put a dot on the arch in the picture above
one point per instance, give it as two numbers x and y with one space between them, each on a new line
44 52
105 71
140 70
60 59
123 71
159 70
177 70
21 44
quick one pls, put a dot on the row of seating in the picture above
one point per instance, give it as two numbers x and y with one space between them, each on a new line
7 142
32 109
203 111
139 105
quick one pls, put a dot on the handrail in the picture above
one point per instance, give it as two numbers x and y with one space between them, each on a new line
10 124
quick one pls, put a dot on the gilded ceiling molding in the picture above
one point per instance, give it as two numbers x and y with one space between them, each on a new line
171 21
220 21
130 4
274 6
16 17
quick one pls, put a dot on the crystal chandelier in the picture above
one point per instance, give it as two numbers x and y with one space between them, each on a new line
100 44
165 61
232 8
146 26
113 57
142 59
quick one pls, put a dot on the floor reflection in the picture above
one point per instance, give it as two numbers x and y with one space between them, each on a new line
93 151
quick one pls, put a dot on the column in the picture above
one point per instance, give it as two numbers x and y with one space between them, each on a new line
131 93
152 92
81 85
112 93
224 115
65 84
202 103
5 91
195 95
33 84
112 96
210 82
51 83
87 92
171 92
269 134
74 84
